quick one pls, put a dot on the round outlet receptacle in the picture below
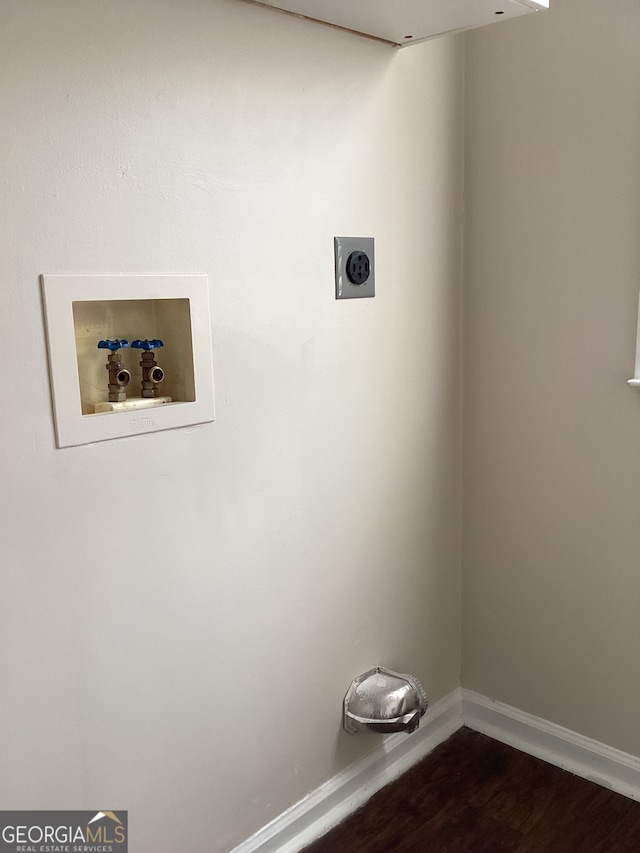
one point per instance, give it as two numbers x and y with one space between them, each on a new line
358 267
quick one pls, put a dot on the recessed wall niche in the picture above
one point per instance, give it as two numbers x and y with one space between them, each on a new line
167 315
165 320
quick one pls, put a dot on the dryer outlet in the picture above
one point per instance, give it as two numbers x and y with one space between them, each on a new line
354 267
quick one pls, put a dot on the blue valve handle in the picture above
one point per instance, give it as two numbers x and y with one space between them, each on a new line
148 345
113 345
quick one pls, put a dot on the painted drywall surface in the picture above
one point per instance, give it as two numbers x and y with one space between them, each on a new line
551 561
183 612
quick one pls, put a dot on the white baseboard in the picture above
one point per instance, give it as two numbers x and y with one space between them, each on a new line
332 802
587 758
329 804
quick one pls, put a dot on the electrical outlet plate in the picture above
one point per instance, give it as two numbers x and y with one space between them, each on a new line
81 309
344 248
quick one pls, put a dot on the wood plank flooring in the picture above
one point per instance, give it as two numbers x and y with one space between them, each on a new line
475 795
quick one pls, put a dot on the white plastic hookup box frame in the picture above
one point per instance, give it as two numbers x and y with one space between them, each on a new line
61 292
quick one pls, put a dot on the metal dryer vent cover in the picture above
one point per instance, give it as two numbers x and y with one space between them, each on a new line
381 700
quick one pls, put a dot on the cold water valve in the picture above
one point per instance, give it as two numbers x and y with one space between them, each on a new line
119 376
151 373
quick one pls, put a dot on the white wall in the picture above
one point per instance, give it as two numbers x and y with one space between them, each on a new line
552 452
183 612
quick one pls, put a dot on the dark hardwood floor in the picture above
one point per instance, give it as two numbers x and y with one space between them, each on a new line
475 795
